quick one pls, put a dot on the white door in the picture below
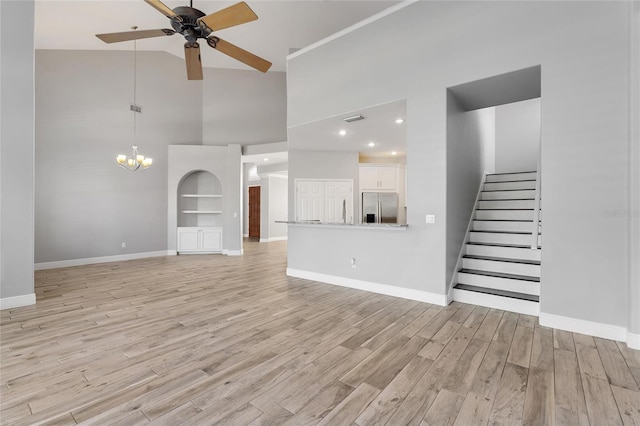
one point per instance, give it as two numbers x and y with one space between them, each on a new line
211 239
388 177
369 178
309 200
338 207
188 239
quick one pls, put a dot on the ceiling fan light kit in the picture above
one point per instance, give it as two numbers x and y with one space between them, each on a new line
194 24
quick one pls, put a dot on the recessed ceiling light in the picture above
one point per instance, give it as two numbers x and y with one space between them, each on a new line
372 144
266 159
399 121
394 153
342 132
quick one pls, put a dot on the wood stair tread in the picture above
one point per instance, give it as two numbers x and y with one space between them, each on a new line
511 173
502 293
500 275
502 259
506 245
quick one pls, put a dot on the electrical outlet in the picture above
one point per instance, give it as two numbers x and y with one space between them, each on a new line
353 262
124 245
430 218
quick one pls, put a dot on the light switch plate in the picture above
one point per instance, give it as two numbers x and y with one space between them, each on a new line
430 218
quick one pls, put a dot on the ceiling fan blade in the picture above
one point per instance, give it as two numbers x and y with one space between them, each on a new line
237 14
194 63
239 54
134 35
164 9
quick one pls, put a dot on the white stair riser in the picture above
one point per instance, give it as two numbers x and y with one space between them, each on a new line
507 284
508 195
497 302
511 177
502 226
505 204
503 252
498 186
504 215
497 238
503 267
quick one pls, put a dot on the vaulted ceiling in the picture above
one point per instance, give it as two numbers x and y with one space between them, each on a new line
281 27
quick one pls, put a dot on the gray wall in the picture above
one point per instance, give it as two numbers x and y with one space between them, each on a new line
469 139
634 176
278 206
241 107
583 48
86 206
17 151
517 136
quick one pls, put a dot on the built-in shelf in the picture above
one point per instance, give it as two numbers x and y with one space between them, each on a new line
201 196
202 211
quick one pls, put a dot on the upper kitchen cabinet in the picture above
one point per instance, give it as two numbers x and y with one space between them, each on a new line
380 177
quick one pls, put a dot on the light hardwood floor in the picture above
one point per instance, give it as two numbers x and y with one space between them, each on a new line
231 340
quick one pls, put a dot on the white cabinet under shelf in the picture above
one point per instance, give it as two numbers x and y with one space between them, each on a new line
193 239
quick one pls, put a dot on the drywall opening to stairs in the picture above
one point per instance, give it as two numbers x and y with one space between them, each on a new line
493 126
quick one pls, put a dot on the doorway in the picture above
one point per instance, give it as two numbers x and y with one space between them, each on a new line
254 212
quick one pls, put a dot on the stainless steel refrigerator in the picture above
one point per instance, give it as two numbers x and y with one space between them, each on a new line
379 207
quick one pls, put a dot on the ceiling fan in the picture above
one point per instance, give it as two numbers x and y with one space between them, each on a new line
194 24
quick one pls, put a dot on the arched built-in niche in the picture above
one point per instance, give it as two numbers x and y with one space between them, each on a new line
200 219
199 200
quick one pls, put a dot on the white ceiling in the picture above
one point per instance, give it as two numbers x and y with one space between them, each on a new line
378 127
282 25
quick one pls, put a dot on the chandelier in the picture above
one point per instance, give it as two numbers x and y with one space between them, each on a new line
135 161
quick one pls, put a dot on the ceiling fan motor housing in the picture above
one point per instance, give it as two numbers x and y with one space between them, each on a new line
189 27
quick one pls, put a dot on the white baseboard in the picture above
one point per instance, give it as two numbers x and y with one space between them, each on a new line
633 340
389 290
605 331
268 240
102 259
233 252
17 301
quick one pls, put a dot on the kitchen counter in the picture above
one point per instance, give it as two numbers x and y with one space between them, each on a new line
383 226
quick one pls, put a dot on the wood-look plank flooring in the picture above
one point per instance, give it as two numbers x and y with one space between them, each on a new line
202 340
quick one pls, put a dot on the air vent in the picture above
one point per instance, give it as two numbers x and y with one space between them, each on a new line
353 118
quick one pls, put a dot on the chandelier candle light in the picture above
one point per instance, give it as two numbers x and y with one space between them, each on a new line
135 161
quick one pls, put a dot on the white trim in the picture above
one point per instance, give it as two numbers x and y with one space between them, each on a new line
17 301
605 331
233 252
352 28
268 240
497 302
633 340
389 290
102 259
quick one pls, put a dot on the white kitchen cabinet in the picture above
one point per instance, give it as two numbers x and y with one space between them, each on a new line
378 177
192 239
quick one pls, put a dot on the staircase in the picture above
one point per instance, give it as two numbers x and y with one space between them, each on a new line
499 269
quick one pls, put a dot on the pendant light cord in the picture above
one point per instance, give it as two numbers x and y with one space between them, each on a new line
135 74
